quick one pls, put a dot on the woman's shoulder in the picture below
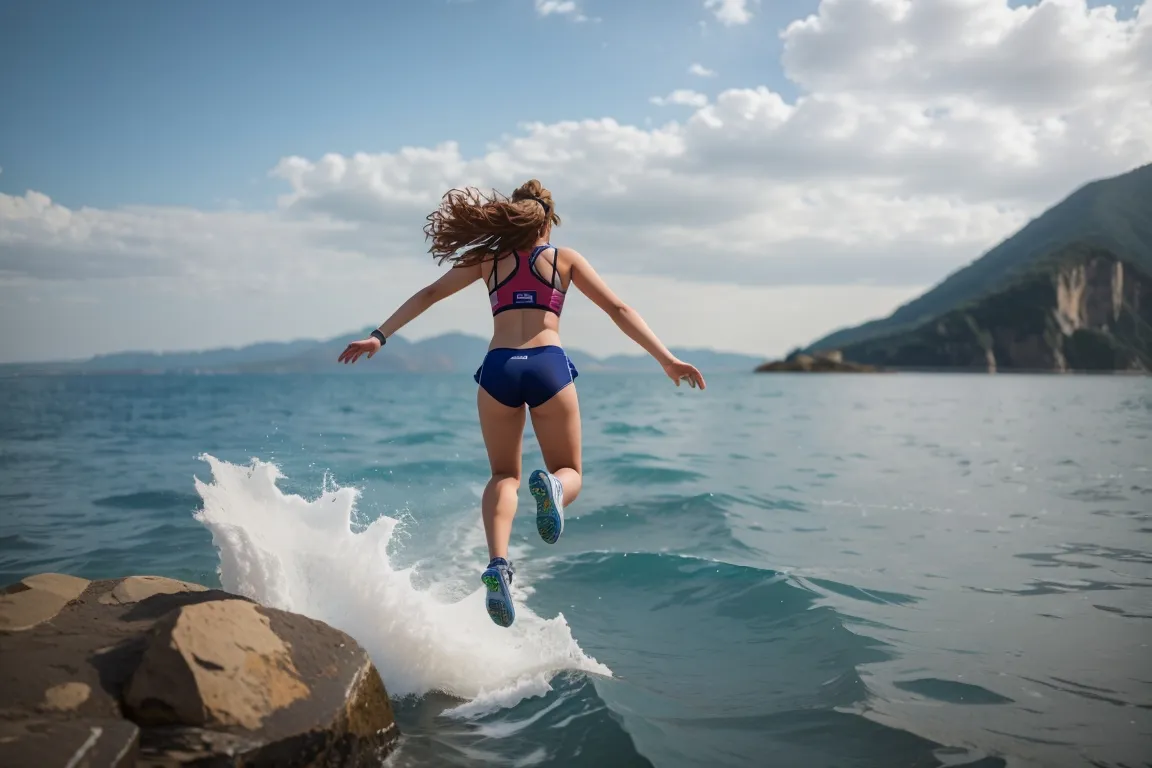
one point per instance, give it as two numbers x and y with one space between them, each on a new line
567 254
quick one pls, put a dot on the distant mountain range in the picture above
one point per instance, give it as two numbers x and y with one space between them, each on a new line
1070 291
448 353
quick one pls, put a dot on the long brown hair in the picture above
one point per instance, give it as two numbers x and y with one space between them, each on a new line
488 226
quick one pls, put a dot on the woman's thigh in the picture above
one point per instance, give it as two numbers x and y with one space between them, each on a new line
557 427
503 430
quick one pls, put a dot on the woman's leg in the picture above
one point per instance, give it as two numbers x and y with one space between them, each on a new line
503 430
556 423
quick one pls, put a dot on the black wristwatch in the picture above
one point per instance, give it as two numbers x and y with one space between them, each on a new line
378 335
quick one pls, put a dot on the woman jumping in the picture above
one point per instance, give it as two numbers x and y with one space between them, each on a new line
507 246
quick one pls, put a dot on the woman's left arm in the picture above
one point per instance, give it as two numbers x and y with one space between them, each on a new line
452 281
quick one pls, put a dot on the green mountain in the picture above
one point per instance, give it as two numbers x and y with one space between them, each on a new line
1081 308
447 353
1112 214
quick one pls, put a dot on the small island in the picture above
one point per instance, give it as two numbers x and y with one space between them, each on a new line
818 362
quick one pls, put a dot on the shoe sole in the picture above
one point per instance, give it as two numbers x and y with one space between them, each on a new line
497 602
549 523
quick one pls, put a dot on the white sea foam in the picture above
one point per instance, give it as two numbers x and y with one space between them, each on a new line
288 552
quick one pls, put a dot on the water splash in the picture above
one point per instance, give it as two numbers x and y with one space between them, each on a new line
301 555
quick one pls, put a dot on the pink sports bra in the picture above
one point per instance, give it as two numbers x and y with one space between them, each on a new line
524 288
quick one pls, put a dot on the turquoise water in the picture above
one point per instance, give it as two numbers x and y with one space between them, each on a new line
780 571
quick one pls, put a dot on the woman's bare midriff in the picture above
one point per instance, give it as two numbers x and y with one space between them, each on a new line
525 328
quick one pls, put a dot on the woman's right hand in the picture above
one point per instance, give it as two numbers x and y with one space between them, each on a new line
678 371
356 349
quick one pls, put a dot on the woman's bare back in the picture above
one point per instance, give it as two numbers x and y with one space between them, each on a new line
529 327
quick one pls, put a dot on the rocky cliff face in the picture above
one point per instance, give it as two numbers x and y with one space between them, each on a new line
1090 294
1082 309
1113 214
148 671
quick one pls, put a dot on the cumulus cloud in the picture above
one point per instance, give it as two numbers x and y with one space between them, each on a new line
699 70
925 132
865 175
681 97
1031 60
938 125
730 12
39 238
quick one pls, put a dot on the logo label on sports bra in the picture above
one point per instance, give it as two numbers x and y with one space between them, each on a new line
524 297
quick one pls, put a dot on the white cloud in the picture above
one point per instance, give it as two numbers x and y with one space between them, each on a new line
699 70
906 155
681 97
560 8
548 7
42 239
730 12
1030 60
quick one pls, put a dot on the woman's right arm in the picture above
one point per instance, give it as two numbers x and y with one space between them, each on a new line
629 321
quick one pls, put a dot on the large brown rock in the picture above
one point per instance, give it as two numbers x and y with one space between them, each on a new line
217 664
147 671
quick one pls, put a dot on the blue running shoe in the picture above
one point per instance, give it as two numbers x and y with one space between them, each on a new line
498 579
549 495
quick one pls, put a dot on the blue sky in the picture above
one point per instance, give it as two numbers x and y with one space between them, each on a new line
181 103
179 175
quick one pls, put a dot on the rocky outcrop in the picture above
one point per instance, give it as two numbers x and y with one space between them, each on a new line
1113 215
37 599
148 671
1083 309
820 362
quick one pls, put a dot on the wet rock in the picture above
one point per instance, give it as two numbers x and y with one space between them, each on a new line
216 663
136 588
82 743
65 697
37 599
178 674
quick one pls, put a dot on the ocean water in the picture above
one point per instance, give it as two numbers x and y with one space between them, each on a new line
795 571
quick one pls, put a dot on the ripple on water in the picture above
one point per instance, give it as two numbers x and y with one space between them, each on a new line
17 543
876 596
1115 554
1084 691
773 675
620 428
630 474
1043 587
418 438
151 499
1109 490
951 691
669 523
570 724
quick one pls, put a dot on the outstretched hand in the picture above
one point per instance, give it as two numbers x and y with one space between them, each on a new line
356 349
678 371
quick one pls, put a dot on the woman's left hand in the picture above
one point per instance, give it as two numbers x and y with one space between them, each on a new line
678 371
356 349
